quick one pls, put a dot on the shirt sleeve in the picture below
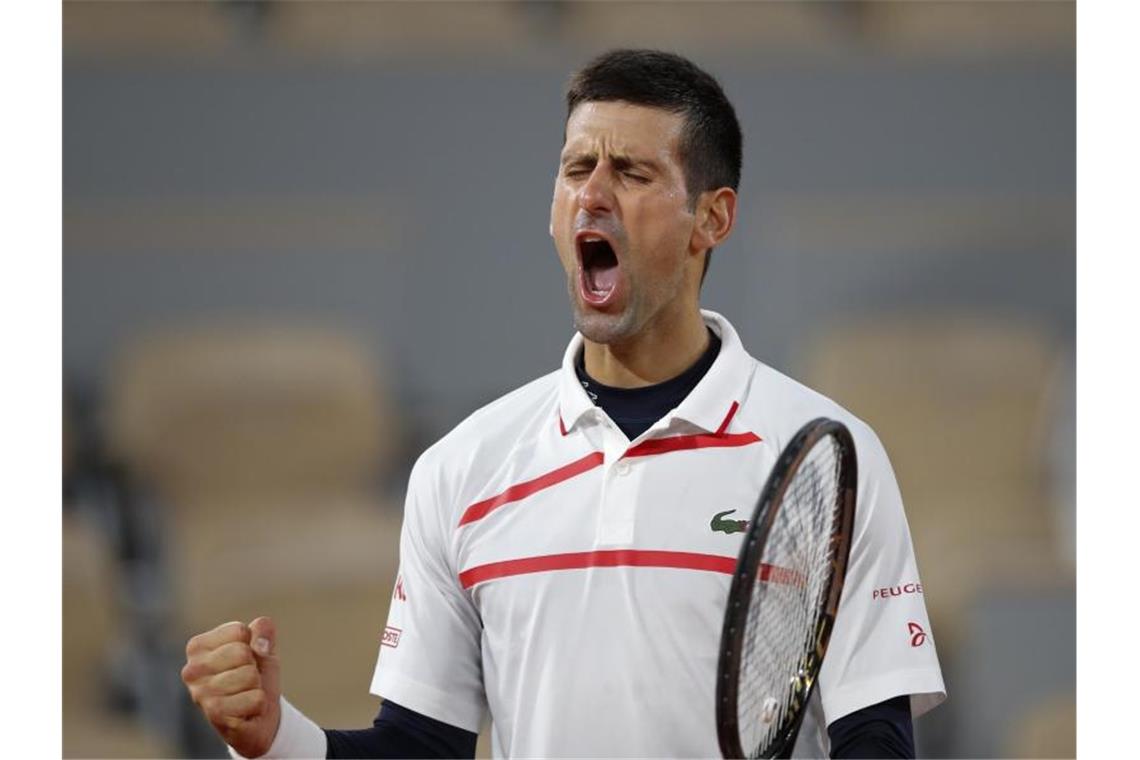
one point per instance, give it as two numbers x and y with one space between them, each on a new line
430 656
399 732
882 645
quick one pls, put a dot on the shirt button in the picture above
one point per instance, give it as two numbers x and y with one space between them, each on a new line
622 467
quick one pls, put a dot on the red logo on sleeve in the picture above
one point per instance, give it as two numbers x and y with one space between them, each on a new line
391 637
917 635
399 592
900 590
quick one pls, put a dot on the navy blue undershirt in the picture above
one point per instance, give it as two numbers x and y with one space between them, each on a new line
634 410
881 730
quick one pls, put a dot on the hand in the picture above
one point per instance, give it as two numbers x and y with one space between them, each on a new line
233 674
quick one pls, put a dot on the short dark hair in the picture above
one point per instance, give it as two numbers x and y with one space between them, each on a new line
711 146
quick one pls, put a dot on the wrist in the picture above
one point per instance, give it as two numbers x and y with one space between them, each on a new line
297 737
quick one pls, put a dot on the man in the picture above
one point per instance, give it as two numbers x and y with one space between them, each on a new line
562 559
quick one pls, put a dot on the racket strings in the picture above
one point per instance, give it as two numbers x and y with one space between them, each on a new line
787 599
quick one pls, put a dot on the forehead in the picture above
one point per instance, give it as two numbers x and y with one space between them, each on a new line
620 127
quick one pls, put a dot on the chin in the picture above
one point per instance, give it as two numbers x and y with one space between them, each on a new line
600 327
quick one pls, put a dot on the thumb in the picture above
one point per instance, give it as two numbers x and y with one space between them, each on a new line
263 641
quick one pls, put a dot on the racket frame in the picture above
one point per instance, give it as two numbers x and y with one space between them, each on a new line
748 566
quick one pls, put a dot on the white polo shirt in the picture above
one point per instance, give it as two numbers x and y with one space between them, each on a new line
568 581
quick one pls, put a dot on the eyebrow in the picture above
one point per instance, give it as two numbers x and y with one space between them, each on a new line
620 162
578 157
626 162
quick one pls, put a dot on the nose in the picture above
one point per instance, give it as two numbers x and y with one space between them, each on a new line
596 194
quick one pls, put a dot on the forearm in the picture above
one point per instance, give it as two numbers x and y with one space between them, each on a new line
881 730
400 732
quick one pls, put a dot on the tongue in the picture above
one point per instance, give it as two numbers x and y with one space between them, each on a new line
604 278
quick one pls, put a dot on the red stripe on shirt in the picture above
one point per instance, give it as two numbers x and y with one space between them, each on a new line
609 558
520 491
728 418
479 510
619 558
701 441
783 575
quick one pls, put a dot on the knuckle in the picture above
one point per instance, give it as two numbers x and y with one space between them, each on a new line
235 680
187 673
233 655
212 706
236 631
249 677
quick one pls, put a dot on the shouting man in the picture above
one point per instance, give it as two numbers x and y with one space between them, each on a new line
563 549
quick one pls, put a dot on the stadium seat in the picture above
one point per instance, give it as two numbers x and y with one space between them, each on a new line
959 403
262 449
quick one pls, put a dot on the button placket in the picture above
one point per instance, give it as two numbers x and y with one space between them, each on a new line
619 495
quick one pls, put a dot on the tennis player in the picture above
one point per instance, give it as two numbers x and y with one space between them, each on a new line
567 550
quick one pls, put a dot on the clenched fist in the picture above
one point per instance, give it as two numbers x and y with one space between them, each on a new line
233 674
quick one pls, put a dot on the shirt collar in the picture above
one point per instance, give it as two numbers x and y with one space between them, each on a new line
707 406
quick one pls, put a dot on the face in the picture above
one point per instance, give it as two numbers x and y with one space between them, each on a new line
621 220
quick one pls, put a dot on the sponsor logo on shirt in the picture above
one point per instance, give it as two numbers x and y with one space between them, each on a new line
889 591
720 525
917 635
390 637
398 594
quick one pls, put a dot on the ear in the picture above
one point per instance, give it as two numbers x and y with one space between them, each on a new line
715 216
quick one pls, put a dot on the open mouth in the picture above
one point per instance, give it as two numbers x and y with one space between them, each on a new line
599 268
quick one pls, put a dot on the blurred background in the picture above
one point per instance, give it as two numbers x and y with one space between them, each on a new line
304 239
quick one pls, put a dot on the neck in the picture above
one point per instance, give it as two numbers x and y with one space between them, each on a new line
659 352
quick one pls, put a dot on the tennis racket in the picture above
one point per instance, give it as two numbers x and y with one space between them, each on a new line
785 593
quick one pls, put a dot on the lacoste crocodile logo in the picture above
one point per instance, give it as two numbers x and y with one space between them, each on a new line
721 525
